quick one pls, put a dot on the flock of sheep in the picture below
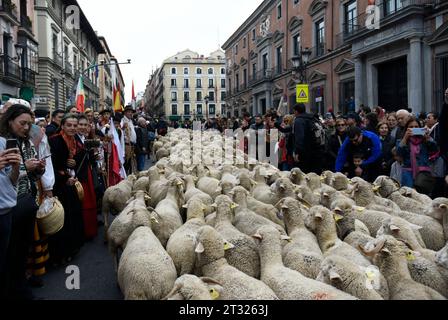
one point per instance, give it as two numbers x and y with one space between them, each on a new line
251 232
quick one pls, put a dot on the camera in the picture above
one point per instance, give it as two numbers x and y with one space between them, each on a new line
90 144
418 131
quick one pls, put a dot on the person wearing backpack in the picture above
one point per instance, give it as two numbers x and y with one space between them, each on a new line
309 137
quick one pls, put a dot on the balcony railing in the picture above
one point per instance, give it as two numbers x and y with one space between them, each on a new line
10 68
57 58
388 9
68 67
318 51
28 76
262 75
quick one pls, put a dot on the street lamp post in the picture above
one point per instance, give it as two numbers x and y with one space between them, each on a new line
300 63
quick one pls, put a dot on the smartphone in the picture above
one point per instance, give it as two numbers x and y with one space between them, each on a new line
418 131
11 144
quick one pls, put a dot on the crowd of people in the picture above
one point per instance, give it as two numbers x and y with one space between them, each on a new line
66 151
69 155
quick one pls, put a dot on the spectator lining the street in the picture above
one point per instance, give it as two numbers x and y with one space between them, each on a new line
55 125
397 166
336 141
416 151
371 122
393 126
403 117
361 142
387 145
66 243
141 147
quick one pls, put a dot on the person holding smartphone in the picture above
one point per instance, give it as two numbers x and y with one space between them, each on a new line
415 149
15 126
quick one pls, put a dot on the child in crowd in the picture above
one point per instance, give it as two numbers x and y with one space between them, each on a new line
357 162
395 172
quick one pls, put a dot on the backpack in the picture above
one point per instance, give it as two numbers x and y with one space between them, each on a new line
318 135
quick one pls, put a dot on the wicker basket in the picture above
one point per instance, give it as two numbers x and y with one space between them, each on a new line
79 190
51 222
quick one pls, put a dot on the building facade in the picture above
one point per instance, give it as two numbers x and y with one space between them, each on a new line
350 63
18 49
189 86
64 54
105 77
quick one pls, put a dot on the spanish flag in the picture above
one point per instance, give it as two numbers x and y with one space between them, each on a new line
80 96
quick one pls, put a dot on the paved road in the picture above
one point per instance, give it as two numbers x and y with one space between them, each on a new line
97 275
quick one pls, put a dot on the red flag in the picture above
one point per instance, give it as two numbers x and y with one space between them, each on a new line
114 167
80 96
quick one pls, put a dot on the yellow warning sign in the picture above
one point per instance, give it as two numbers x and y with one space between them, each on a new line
302 93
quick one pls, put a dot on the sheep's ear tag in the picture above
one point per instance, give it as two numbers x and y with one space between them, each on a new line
370 275
322 178
179 183
228 246
199 248
360 209
214 294
376 188
337 217
233 206
154 220
410 256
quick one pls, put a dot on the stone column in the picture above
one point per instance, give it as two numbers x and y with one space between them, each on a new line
416 85
360 98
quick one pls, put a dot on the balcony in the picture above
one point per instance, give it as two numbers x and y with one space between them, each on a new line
57 58
389 10
8 10
26 23
262 75
68 67
10 70
318 51
28 76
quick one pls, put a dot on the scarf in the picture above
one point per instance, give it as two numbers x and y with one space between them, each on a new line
415 143
71 144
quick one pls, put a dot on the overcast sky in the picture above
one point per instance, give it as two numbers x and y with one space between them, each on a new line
150 31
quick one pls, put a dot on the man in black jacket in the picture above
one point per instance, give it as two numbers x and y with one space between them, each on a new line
54 126
141 148
307 155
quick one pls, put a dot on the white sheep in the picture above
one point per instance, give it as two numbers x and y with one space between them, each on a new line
182 242
237 285
262 192
390 255
289 284
302 253
210 186
190 287
321 221
267 211
146 271
358 281
244 256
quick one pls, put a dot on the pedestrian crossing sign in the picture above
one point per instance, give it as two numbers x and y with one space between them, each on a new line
302 93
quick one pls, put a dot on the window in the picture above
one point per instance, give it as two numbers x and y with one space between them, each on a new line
173 96
223 83
186 109
186 96
186 83
223 109
230 85
174 109
320 38
199 109
223 96
296 2
211 96
279 67
279 11
198 96
350 13
198 83
237 82
212 109
173 71
198 70
244 42
254 71
244 78
392 6
210 70
223 71
254 35
265 62
186 71
211 83
236 49
173 83
296 45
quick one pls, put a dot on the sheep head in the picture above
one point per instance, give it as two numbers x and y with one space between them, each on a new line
439 209
320 218
385 186
270 235
289 210
225 207
401 230
195 209
189 287
211 246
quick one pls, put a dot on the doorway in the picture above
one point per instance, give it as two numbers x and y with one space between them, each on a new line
393 84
